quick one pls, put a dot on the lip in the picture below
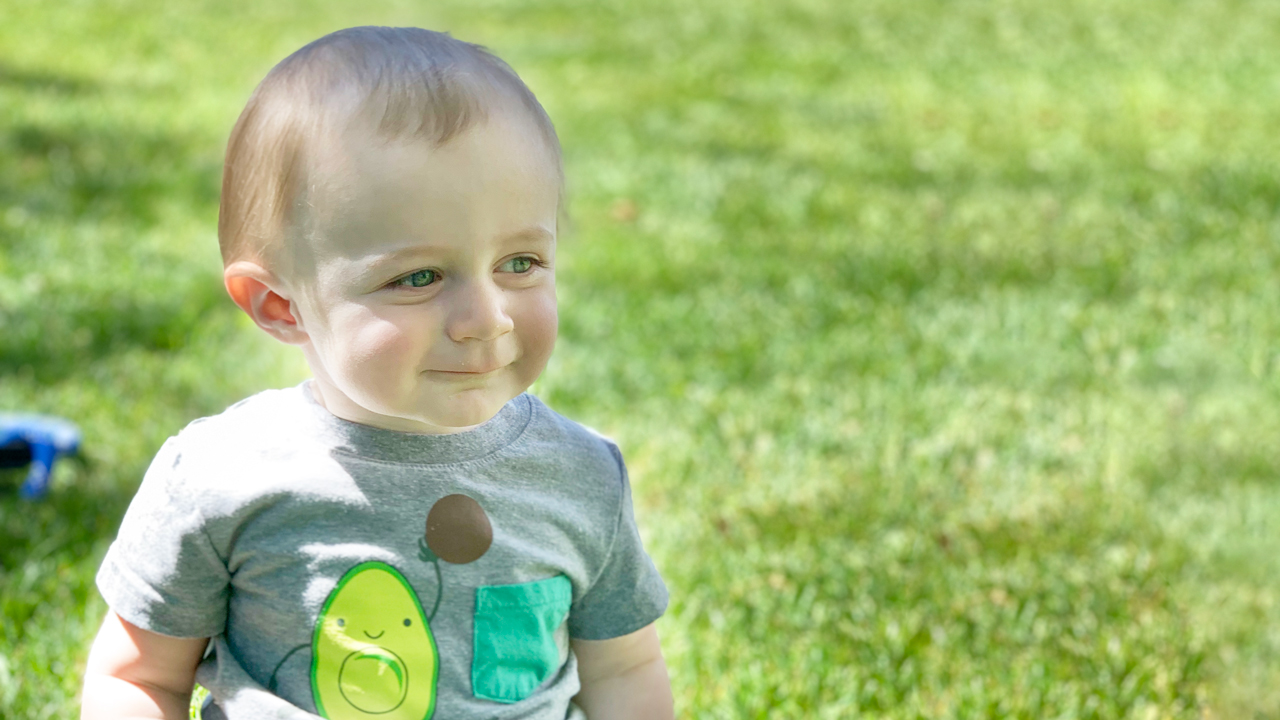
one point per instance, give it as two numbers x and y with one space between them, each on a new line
467 373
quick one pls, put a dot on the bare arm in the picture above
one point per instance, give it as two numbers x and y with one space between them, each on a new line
624 678
136 673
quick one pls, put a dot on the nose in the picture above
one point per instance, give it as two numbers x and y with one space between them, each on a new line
479 313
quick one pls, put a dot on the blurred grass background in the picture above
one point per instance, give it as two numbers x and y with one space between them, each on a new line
941 335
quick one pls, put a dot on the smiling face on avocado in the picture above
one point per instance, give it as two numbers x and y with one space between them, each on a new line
373 655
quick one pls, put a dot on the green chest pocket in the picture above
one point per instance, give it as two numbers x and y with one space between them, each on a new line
515 645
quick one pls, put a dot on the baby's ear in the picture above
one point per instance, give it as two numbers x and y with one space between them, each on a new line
265 299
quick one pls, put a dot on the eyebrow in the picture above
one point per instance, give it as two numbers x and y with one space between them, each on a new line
533 233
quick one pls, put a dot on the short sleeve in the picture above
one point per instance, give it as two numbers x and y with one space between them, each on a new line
629 593
162 573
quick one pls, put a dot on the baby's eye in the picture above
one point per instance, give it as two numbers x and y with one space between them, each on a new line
421 278
518 265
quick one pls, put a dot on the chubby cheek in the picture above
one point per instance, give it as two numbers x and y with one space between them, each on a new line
538 323
376 358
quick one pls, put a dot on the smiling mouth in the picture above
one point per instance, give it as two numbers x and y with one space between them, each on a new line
466 373
374 637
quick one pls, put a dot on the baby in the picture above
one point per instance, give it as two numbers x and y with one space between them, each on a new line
408 534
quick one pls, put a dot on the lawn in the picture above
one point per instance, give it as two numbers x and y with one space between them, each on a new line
942 336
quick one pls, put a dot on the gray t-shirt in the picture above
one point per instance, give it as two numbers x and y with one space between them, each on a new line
353 572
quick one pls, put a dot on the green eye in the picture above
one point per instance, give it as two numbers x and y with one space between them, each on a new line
421 278
518 265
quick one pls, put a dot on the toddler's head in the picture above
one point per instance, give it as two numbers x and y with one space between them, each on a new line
389 204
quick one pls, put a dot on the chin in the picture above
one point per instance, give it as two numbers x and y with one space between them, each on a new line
465 413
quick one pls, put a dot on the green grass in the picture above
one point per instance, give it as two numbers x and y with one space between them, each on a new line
941 337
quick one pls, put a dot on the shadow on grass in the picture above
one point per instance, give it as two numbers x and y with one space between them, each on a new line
85 170
58 334
1194 458
41 81
85 167
79 286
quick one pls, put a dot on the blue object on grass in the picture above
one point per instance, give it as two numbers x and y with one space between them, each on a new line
37 440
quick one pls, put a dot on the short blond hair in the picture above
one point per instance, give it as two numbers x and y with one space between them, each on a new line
407 83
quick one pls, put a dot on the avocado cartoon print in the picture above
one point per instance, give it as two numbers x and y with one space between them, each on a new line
373 655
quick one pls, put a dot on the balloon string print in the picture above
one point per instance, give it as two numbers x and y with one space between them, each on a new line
271 683
426 555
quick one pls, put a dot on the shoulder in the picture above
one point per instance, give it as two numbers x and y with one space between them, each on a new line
580 450
239 447
269 421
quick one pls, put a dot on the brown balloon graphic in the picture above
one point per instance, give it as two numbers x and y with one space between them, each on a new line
458 531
